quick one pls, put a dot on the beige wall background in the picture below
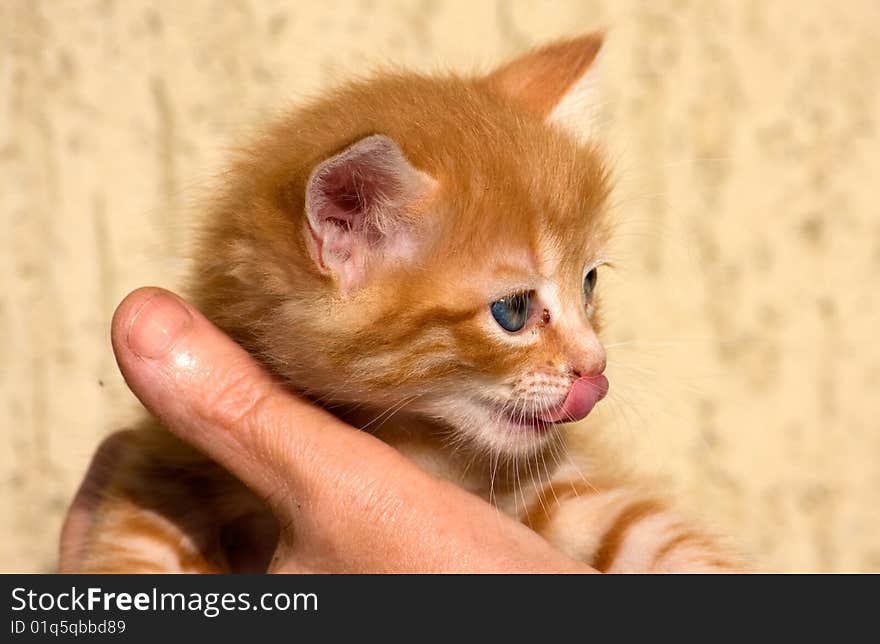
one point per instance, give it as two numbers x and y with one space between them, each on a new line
742 323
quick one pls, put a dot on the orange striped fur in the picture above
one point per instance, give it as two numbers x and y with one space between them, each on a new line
355 249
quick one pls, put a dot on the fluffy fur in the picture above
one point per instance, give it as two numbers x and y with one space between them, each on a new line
355 249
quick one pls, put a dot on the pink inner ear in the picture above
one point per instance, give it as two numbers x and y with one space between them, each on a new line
357 202
350 194
362 189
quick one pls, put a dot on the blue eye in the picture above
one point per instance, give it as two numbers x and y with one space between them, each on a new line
512 311
589 283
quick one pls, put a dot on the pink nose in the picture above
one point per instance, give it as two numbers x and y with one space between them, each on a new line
593 367
585 392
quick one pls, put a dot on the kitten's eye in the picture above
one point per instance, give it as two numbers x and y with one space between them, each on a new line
511 312
589 283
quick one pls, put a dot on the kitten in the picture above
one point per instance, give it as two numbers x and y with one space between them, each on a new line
420 255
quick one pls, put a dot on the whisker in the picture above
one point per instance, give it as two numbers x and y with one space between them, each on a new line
388 413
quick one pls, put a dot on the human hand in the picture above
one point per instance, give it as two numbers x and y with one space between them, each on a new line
345 501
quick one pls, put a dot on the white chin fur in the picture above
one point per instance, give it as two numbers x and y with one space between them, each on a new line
489 430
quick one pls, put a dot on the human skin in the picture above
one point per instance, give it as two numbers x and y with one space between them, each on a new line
357 505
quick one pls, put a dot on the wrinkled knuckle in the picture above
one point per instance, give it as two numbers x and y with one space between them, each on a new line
236 398
385 509
380 503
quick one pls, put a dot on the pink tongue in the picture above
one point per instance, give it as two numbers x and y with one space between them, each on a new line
585 392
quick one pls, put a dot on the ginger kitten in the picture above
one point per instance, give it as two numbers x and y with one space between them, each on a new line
421 256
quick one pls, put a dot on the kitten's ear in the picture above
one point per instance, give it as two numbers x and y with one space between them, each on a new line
359 205
558 83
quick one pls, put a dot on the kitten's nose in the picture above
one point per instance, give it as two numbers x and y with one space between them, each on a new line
591 364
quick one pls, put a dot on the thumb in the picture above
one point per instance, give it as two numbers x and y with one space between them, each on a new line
211 393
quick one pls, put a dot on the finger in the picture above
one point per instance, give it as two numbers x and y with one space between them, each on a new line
209 391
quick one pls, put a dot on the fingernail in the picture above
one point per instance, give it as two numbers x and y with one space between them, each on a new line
158 325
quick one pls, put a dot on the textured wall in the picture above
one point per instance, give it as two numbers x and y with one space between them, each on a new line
742 321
